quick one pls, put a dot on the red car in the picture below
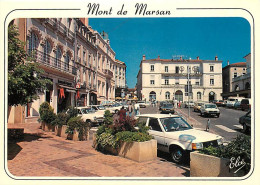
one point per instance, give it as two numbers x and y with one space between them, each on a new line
219 103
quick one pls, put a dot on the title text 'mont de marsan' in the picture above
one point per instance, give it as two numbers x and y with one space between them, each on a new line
140 9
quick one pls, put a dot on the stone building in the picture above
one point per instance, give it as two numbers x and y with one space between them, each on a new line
120 78
166 79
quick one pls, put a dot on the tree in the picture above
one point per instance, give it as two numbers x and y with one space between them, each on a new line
24 76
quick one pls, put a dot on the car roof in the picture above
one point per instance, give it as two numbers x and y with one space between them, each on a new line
158 115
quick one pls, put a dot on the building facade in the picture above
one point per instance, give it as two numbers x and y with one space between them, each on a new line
166 79
120 78
77 59
231 72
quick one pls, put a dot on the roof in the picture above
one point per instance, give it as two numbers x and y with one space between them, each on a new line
158 115
120 62
238 64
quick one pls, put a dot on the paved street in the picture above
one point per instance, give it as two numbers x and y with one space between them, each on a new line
44 154
226 125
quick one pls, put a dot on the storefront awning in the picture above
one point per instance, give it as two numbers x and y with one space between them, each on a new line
70 90
66 87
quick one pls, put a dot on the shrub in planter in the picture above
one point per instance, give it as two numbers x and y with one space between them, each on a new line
60 120
72 112
77 124
240 147
47 114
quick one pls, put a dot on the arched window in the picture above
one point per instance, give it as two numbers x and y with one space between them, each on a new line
198 95
247 86
167 95
46 52
152 96
58 57
33 43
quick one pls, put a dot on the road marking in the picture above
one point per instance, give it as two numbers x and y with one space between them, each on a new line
239 126
225 128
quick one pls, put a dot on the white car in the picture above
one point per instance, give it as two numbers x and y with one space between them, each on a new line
175 136
189 104
88 114
209 109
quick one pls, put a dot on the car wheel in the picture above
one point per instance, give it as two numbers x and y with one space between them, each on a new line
218 115
177 155
201 114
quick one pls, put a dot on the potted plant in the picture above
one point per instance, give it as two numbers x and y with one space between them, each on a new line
77 129
47 115
119 136
59 121
232 160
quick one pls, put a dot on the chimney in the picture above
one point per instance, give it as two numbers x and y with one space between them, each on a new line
158 56
198 58
228 62
144 57
216 58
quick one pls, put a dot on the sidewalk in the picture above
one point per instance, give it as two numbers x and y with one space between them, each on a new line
44 154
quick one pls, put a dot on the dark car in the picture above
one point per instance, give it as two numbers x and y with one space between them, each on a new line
167 108
245 104
161 104
245 121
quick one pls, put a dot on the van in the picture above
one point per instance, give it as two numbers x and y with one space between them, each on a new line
232 100
245 104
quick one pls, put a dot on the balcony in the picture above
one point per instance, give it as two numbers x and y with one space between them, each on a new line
108 73
242 77
84 62
172 73
52 62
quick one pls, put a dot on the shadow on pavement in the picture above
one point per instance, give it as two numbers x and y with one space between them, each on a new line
13 148
165 157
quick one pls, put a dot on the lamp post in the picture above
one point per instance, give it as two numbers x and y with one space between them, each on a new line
188 91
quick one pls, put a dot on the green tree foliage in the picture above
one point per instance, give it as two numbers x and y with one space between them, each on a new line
47 113
24 78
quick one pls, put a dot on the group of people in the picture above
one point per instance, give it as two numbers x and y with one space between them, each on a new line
132 109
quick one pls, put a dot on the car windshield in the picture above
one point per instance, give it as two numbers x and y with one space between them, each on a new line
87 110
167 106
231 100
210 106
174 124
199 104
101 107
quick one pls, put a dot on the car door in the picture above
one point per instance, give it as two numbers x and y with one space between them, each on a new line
157 132
248 119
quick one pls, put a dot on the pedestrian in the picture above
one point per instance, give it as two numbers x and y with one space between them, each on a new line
122 113
137 108
130 109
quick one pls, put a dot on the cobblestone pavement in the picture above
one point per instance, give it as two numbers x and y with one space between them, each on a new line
44 154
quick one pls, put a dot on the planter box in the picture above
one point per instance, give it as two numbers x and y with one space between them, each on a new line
202 165
47 127
75 136
139 151
63 131
58 130
136 151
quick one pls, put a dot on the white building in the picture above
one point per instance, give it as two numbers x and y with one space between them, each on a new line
165 79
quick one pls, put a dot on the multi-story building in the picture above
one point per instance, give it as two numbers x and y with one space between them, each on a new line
230 72
78 61
120 78
166 79
241 85
105 69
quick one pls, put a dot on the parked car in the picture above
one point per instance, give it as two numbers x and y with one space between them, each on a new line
142 104
197 105
176 137
232 100
245 104
209 109
245 121
161 104
188 104
237 105
220 103
167 108
88 114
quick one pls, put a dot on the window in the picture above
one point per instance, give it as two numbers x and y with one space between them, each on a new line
211 81
198 95
47 51
166 68
235 75
211 68
152 82
177 69
152 67
197 83
166 82
244 69
67 62
235 69
154 124
33 42
167 95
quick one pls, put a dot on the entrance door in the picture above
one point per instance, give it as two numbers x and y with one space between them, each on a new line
211 96
179 95
152 96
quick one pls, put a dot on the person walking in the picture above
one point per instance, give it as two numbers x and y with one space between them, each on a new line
137 108
130 109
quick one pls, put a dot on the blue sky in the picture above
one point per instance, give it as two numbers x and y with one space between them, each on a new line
131 38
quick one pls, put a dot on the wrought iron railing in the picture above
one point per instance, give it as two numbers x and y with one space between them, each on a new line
52 62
